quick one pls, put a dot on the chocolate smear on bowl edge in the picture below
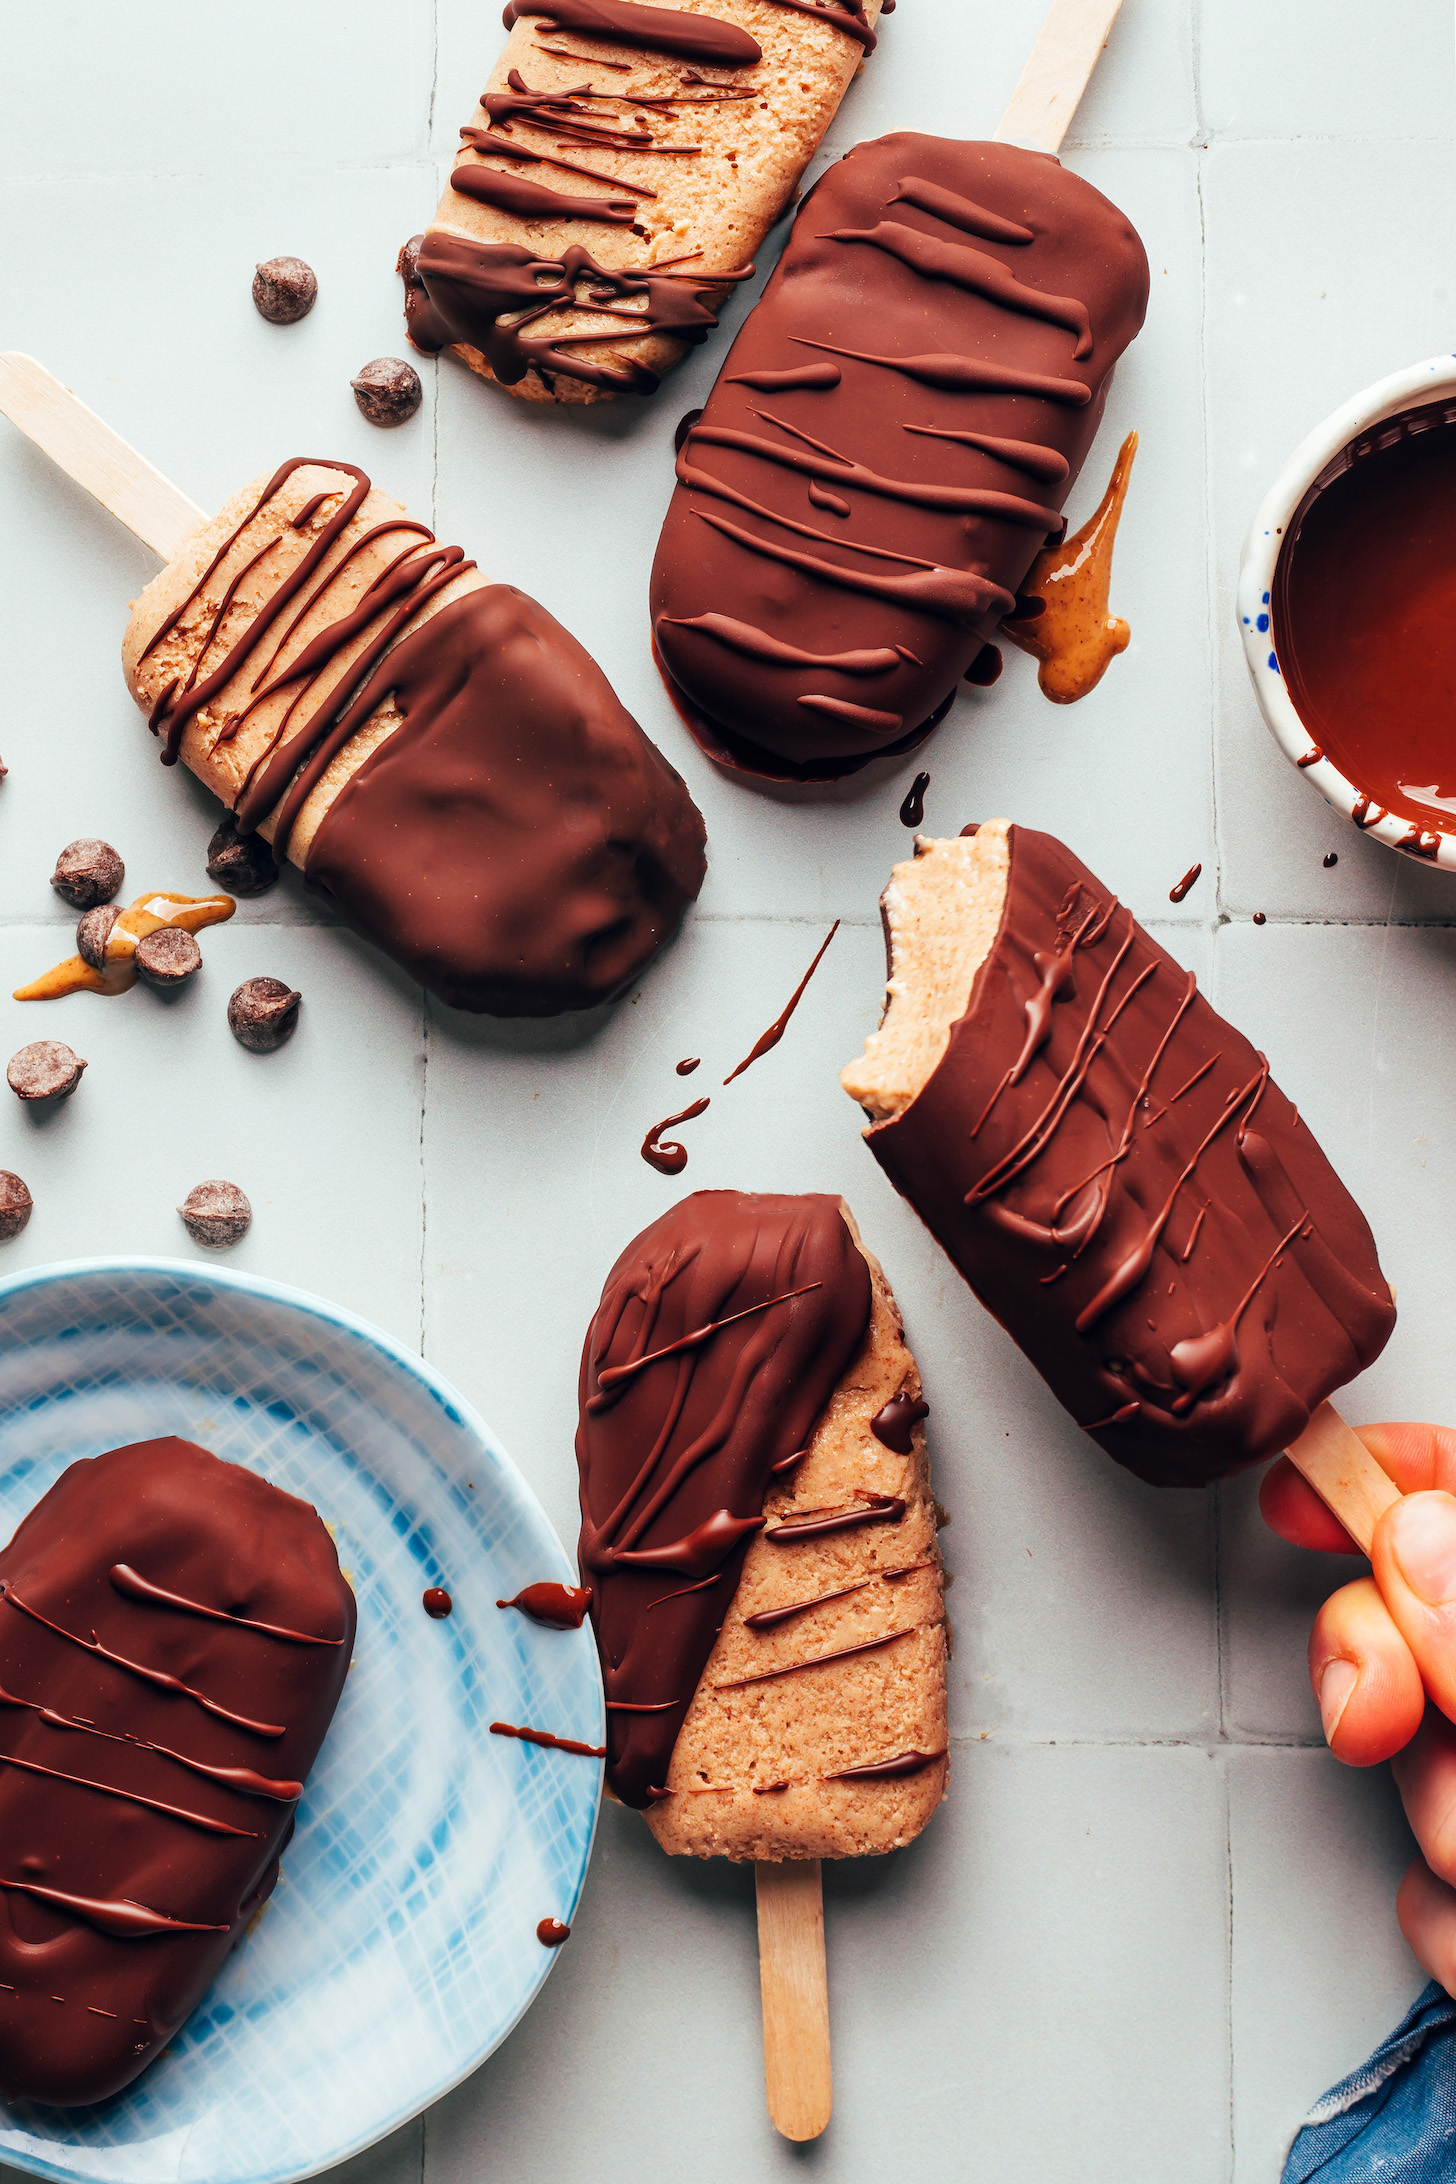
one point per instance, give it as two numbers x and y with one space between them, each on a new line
284 290
16 1205
263 1014
216 1214
88 871
47 1069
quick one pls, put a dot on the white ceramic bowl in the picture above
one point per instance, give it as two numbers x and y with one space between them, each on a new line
400 1945
1408 389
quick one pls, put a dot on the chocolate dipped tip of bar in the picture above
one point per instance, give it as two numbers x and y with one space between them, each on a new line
760 1538
435 753
1109 1163
174 1637
888 446
606 202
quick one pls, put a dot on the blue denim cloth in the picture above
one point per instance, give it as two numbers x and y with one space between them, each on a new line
1392 2121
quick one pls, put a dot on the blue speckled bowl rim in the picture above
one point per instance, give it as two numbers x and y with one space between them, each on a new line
189 1273
1405 389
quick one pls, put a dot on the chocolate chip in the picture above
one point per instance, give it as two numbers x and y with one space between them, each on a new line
16 1205
284 290
93 933
263 1014
168 957
216 1214
242 863
88 872
388 391
46 1070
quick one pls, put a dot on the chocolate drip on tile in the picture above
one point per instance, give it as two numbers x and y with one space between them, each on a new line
559 1607
912 811
129 1727
768 1040
675 1462
1112 1169
669 1156
458 293
1001 291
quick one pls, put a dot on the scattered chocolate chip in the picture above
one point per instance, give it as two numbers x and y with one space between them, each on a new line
16 1205
46 1070
388 391
284 290
93 933
87 872
216 1214
168 957
263 1014
1258 917
242 863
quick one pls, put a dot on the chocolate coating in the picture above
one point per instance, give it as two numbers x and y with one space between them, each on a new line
284 290
958 288
168 957
124 1905
47 1069
388 391
216 1214
1111 1168
242 863
517 844
263 1014
16 1205
87 872
675 1456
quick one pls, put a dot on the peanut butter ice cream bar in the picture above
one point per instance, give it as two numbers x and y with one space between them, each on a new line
625 162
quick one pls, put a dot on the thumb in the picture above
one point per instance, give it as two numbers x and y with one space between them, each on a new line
1413 1556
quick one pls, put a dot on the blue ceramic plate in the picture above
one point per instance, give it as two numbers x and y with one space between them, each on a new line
400 1945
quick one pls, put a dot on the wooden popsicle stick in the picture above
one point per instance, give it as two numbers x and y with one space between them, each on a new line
1344 1474
97 458
794 1978
1059 71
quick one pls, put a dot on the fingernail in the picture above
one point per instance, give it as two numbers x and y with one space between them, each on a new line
1336 1684
1423 1539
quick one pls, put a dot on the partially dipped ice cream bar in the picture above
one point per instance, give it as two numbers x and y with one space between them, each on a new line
1109 1163
435 753
623 165
888 446
174 1638
759 1536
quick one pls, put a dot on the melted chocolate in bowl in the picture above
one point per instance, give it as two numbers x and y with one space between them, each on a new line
1364 613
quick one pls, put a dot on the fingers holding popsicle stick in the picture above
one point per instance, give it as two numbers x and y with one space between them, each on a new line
1415 1457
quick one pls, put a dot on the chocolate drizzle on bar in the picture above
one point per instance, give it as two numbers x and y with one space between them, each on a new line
130 1715
750 1309
506 723
1013 288
1112 1169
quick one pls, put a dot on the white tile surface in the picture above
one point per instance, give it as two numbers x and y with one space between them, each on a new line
1136 1766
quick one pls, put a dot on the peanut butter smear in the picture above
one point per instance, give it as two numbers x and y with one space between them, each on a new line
146 915
1075 638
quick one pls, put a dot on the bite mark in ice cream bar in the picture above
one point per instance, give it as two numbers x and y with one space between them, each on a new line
1364 620
413 738
1002 290
1109 1163
117 972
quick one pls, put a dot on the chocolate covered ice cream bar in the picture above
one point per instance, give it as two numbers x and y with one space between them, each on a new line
759 1536
174 1637
624 164
1110 1164
438 756
887 448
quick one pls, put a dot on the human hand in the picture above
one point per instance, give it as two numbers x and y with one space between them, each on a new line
1382 1644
